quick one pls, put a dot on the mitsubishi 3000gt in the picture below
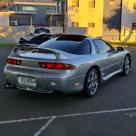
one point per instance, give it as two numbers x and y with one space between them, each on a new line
67 63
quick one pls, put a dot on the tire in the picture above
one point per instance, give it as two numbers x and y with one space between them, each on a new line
9 86
126 66
6 86
91 83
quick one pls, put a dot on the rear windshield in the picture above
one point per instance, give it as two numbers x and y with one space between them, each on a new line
41 30
40 37
73 47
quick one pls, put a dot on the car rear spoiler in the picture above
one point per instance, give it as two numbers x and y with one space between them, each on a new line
16 51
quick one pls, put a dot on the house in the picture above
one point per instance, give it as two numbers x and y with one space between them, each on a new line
30 12
110 19
86 14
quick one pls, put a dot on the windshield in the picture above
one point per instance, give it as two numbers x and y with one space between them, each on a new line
41 30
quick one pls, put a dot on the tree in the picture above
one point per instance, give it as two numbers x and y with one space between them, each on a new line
113 22
3 5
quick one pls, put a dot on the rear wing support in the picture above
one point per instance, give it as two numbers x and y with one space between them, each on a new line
22 49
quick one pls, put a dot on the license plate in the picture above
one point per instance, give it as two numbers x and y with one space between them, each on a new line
27 81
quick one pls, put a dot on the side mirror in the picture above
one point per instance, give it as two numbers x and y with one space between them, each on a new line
120 49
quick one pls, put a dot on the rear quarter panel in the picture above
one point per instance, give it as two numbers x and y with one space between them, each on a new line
87 61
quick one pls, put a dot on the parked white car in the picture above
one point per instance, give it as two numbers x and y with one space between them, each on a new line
41 30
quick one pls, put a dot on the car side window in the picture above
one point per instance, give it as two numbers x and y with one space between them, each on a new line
85 48
36 31
101 46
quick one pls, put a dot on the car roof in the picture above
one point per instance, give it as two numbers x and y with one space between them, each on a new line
76 37
39 27
71 37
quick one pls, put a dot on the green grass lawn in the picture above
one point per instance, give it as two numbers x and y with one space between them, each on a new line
7 44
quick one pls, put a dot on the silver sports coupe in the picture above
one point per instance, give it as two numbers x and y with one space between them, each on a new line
67 63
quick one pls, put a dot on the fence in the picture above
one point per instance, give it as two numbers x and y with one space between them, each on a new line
122 38
12 34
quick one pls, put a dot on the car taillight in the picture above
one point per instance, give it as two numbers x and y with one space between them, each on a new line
59 66
14 61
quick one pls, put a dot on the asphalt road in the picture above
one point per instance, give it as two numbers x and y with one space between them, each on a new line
112 112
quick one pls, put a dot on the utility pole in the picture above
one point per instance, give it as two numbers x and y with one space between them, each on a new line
64 14
121 10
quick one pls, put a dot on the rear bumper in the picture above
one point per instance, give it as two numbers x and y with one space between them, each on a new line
45 83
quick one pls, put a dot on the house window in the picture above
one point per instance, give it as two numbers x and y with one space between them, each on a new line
75 3
75 24
134 6
91 25
51 9
28 8
133 26
91 3
112 1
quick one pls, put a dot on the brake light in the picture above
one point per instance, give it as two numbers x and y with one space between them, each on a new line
14 61
59 66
